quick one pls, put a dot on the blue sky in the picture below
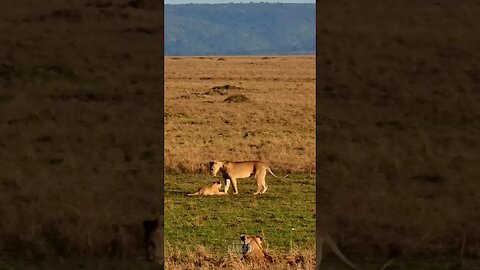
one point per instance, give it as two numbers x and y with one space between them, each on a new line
234 1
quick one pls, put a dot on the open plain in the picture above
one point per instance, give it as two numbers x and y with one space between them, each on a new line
239 108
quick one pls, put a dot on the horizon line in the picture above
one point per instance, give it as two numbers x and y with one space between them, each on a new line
178 4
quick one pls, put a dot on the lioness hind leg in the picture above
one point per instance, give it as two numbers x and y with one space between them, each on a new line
261 185
264 188
259 189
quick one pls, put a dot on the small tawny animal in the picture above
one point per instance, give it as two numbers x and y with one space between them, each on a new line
213 189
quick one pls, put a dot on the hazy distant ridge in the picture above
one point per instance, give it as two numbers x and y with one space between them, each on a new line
239 29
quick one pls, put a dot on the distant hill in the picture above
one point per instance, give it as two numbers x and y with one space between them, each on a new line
239 29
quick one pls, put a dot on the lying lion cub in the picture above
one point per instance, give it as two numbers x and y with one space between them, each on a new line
252 250
213 189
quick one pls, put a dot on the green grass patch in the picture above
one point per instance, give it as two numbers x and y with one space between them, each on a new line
285 214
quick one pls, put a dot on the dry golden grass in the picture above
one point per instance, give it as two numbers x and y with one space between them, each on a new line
276 123
202 258
399 126
237 108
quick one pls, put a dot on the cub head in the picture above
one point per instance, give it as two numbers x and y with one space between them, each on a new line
217 184
152 240
252 248
215 167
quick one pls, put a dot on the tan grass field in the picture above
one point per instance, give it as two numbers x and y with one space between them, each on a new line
276 123
239 108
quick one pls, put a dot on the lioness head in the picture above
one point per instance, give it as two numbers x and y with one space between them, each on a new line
215 167
152 240
252 248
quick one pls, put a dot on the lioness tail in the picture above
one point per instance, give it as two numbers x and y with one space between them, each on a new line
270 171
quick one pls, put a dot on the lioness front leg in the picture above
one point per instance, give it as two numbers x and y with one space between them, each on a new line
227 185
234 183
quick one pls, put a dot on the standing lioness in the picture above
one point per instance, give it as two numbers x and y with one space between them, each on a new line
231 171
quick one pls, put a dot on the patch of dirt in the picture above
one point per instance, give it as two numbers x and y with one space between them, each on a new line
227 87
237 99
222 90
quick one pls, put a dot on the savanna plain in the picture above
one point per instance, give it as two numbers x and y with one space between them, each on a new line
239 108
